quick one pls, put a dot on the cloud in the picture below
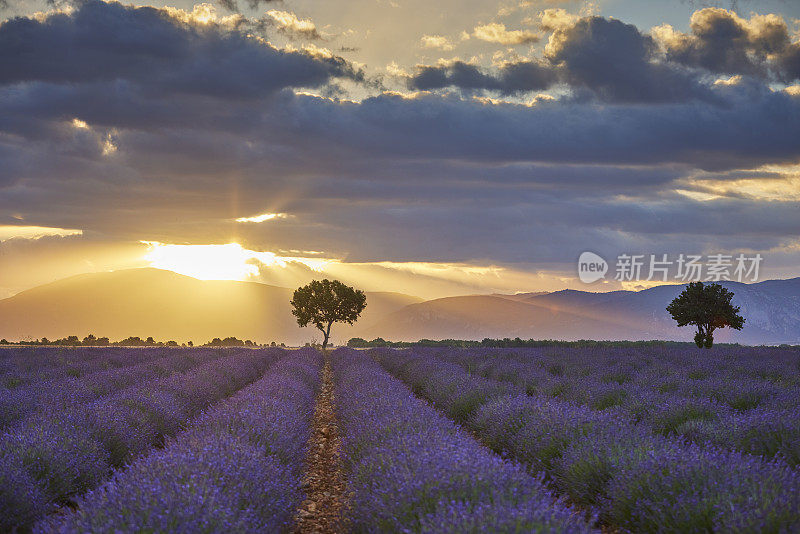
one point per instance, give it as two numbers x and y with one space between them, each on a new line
477 179
147 50
617 62
287 22
607 58
722 42
233 5
555 19
436 41
496 32
511 78
759 125
790 63
8 231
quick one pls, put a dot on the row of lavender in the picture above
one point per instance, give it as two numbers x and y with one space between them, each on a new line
760 376
22 366
631 477
64 391
53 457
236 469
25 361
727 399
413 470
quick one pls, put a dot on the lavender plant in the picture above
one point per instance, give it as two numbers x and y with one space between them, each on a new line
69 452
412 470
66 392
635 478
734 399
236 469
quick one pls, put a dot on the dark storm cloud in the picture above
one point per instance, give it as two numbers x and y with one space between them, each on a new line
790 62
148 48
37 110
722 42
524 227
613 60
616 61
751 126
459 74
515 77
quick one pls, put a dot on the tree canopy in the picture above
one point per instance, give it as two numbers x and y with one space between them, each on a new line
322 303
708 307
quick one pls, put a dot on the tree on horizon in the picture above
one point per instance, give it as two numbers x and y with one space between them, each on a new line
325 302
708 307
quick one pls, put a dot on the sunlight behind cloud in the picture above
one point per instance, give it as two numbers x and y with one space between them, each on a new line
204 13
230 261
779 183
207 262
497 33
261 218
34 232
288 21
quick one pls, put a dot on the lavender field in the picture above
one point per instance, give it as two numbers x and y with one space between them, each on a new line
544 439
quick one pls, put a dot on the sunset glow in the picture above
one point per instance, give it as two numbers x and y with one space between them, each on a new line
230 261
208 262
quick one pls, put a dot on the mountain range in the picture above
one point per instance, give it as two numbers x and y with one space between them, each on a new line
166 305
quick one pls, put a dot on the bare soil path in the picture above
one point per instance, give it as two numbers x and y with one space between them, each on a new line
324 483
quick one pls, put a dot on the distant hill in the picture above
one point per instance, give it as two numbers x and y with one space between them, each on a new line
166 305
772 310
478 317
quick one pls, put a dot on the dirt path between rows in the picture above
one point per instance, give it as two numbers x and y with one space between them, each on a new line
326 490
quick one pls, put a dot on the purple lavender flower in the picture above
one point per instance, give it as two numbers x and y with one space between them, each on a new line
639 477
236 469
412 470
67 452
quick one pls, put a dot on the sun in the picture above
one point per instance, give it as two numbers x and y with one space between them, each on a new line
208 262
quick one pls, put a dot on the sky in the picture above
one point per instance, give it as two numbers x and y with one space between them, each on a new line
430 148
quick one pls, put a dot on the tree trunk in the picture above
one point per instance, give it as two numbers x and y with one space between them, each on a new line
327 333
709 336
700 336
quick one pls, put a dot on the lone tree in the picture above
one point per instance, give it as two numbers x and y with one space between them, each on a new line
325 302
708 307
